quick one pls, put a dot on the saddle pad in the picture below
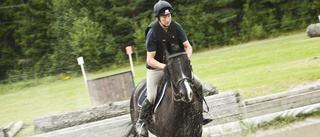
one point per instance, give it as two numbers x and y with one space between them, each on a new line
143 96
160 97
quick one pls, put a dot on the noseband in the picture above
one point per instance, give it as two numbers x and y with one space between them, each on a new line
180 81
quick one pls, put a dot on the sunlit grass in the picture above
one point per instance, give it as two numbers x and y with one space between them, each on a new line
261 67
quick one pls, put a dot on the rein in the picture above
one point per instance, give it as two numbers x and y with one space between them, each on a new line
175 95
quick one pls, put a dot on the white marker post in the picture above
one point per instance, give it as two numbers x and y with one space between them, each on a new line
81 62
129 52
319 18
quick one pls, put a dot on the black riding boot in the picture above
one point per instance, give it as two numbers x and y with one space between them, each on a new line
141 125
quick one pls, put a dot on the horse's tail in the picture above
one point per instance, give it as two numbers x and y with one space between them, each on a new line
131 132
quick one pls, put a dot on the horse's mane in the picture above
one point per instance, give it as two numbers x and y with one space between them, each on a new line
166 73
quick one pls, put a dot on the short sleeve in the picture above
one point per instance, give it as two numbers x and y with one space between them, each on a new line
181 33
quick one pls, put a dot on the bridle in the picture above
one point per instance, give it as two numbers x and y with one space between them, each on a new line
181 80
177 96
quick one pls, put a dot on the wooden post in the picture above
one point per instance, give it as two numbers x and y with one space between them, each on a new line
129 52
81 62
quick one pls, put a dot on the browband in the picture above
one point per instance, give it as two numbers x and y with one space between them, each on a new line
177 54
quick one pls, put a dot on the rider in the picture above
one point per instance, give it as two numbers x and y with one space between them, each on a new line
161 32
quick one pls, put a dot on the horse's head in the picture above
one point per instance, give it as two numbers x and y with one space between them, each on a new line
178 71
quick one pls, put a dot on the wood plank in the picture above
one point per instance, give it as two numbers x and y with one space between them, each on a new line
281 104
256 100
111 88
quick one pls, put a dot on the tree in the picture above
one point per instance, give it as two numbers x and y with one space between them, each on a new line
259 19
33 34
10 51
87 40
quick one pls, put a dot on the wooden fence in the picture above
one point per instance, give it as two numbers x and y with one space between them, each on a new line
111 88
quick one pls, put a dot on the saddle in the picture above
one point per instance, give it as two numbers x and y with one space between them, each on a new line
159 96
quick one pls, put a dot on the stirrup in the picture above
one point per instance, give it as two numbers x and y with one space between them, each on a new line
142 128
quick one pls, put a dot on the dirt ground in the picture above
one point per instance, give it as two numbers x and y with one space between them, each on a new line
310 127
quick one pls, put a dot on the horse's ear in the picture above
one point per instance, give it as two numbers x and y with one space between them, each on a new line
175 48
168 49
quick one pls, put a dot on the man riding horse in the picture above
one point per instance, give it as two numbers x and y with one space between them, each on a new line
159 34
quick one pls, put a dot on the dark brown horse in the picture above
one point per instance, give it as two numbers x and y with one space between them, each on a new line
180 112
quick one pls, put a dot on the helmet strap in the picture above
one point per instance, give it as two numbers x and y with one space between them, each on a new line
161 22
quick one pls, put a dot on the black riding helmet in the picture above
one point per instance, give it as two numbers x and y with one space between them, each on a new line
162 8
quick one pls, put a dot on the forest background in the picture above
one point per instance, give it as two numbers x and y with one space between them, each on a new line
41 38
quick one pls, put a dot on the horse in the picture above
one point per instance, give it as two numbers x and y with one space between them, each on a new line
179 113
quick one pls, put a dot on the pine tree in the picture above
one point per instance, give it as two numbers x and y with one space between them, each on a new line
10 51
33 34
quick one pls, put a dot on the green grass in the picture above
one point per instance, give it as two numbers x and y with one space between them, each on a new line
253 69
261 67
281 122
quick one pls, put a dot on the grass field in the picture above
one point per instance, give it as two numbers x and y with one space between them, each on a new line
253 69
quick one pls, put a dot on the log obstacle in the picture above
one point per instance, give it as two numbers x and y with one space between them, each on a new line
79 117
11 129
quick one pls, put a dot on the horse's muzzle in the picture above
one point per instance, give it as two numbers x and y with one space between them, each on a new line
187 93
